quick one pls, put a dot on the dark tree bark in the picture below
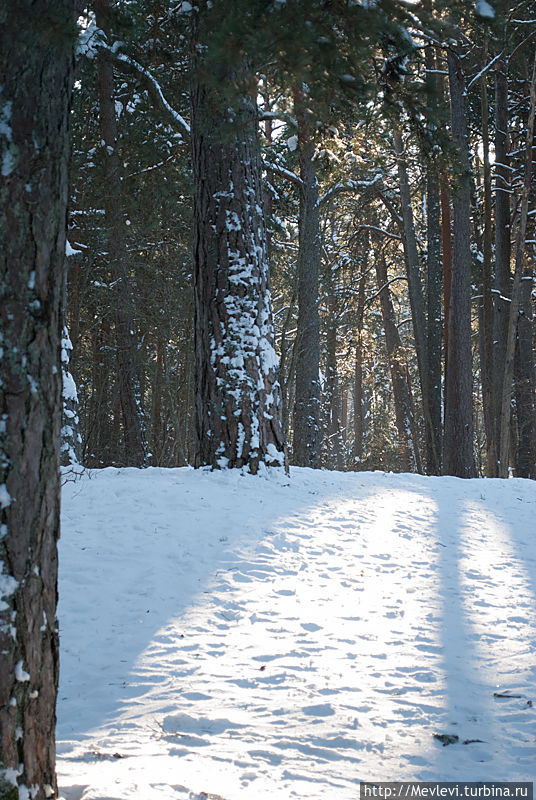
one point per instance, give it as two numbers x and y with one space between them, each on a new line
503 275
36 68
398 368
333 443
127 357
416 294
506 395
446 257
458 437
98 433
306 440
433 327
237 396
525 382
485 312
358 376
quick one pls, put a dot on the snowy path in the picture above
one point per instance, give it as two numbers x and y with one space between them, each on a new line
249 638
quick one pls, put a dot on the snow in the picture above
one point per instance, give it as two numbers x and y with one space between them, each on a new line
287 637
5 497
20 673
484 9
69 249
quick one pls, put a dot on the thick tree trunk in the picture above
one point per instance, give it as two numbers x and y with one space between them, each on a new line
127 367
36 68
398 368
306 440
237 396
458 438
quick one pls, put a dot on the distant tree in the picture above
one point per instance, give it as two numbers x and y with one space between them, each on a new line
36 69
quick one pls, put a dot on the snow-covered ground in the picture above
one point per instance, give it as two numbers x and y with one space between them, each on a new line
276 638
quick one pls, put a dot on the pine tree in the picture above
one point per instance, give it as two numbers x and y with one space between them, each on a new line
36 70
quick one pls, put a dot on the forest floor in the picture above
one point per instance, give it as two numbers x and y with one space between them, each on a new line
278 638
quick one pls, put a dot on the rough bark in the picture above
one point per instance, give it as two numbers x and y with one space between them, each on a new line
458 435
306 440
36 68
237 396
127 367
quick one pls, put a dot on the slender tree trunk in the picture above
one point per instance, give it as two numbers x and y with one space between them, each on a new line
433 327
458 442
434 282
416 294
127 357
306 440
237 396
333 445
525 382
36 69
398 368
158 389
504 442
503 276
344 413
358 376
486 303
446 250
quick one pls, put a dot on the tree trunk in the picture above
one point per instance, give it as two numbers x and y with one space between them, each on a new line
237 396
506 396
446 251
416 295
127 356
525 383
486 303
433 327
503 276
358 376
398 368
36 69
333 445
434 282
306 441
458 442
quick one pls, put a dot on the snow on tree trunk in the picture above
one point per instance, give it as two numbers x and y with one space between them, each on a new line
36 68
237 395
70 436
